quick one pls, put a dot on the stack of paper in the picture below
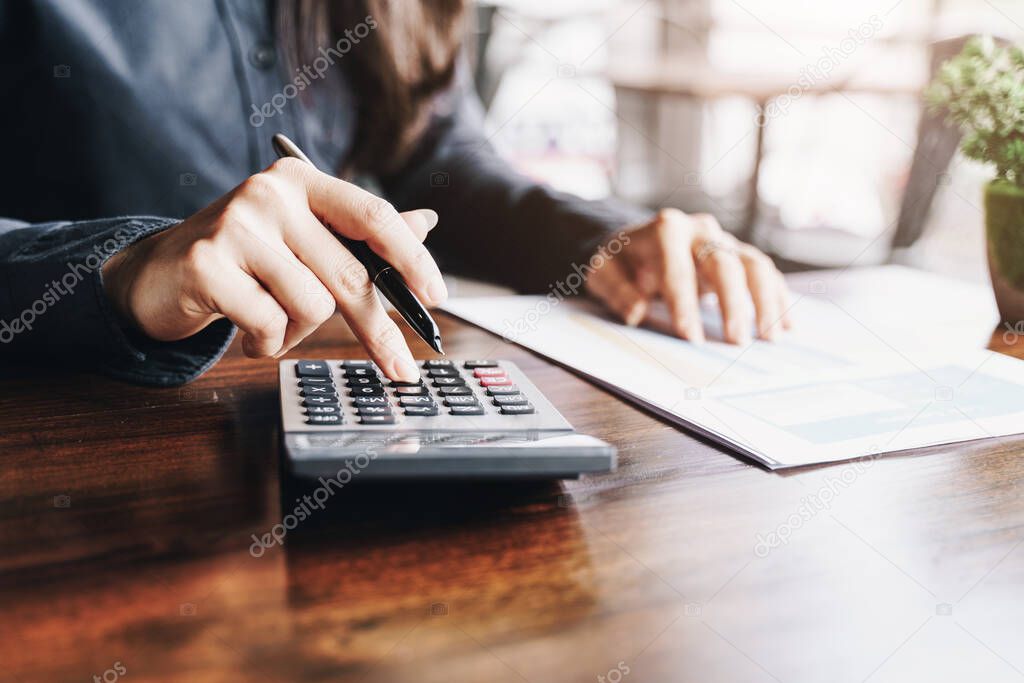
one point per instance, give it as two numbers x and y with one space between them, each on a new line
879 360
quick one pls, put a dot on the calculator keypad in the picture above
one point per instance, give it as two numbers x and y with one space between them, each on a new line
472 387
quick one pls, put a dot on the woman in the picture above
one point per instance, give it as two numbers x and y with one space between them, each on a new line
123 116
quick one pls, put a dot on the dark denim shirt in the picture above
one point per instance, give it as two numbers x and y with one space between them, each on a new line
121 117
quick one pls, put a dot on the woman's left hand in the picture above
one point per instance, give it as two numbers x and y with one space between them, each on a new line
678 257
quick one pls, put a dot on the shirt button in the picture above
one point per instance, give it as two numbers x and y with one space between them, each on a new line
263 55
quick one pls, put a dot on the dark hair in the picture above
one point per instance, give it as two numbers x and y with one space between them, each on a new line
395 71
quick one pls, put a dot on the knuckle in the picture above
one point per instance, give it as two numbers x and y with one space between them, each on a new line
261 186
377 213
707 224
672 225
422 260
386 337
354 281
272 326
287 166
318 309
200 260
670 214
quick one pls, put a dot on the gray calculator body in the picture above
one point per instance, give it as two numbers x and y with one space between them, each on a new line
511 429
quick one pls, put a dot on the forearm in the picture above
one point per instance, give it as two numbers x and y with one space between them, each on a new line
494 222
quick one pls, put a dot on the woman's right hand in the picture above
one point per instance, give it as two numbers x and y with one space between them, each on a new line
261 257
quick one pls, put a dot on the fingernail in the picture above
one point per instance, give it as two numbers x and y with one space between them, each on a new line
405 369
635 314
430 216
437 291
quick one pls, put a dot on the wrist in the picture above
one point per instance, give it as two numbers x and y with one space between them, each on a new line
117 275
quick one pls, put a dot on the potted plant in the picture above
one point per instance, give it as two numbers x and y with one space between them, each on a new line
982 90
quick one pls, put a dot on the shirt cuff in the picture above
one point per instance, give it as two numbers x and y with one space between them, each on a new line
57 285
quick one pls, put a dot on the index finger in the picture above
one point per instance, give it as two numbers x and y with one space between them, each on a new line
355 213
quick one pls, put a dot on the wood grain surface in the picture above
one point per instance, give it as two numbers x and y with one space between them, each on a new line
127 515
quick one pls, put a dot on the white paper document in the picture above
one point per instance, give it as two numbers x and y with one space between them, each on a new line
879 360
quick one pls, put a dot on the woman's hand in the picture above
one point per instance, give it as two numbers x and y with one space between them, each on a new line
261 257
678 257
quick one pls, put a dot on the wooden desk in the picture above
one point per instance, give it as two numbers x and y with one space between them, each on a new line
912 573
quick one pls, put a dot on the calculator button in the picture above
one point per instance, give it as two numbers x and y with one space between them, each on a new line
372 390
323 390
349 364
417 383
473 364
442 372
370 401
489 372
323 420
374 410
455 391
502 390
449 381
494 381
312 368
315 381
511 400
421 411
415 401
517 410
439 363
362 382
466 410
460 401
410 391
377 419
360 372
319 401
323 410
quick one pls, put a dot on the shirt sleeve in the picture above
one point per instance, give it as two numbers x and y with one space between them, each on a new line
54 312
496 224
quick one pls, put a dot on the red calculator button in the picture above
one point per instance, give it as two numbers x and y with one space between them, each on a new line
493 381
488 372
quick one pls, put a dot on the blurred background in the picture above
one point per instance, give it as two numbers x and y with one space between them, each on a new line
799 124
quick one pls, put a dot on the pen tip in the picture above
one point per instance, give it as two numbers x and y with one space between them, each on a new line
437 345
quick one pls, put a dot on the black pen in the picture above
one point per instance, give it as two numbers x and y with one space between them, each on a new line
388 280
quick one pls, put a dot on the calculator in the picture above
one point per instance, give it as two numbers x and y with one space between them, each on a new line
461 419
